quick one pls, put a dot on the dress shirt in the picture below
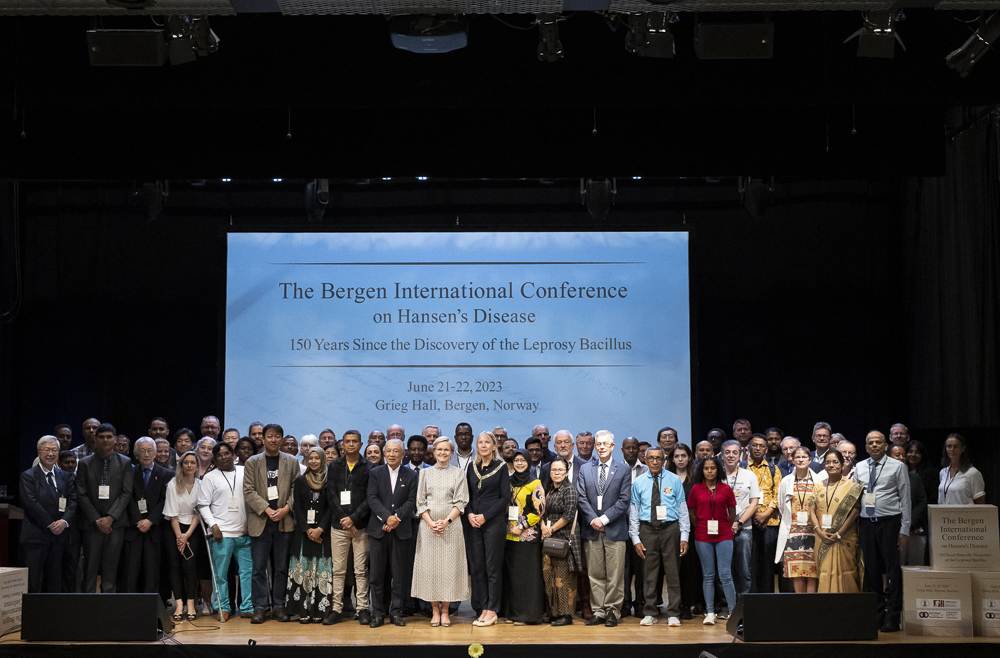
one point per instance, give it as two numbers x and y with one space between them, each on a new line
393 476
637 469
768 482
607 474
671 495
745 487
892 489
462 461
215 493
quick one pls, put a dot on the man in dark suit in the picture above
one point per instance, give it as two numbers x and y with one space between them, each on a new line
604 494
392 498
144 535
104 489
49 499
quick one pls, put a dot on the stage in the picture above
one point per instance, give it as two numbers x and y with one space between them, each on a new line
238 637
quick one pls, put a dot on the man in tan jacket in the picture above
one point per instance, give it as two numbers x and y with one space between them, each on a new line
267 489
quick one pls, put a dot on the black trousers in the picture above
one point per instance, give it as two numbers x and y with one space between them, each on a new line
270 549
395 554
71 560
143 550
103 555
635 569
879 539
484 549
45 562
184 572
765 543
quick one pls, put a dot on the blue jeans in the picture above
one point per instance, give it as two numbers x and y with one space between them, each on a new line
742 549
222 552
714 554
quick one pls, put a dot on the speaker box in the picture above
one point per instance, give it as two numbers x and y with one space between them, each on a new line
93 617
805 617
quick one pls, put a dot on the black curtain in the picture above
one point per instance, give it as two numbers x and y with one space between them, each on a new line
951 290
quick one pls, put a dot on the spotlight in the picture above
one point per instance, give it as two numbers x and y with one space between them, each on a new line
549 47
965 57
649 35
429 34
598 195
317 198
877 36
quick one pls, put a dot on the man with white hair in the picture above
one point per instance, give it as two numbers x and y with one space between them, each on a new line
306 443
144 534
604 492
48 495
788 446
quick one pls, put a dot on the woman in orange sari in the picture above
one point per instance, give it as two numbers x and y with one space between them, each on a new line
835 517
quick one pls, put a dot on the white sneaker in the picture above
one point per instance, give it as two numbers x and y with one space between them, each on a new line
709 619
648 620
673 621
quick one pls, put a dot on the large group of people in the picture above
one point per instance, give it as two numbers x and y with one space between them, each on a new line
319 530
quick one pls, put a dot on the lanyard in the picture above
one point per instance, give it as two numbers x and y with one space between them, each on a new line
949 480
711 502
801 495
833 496
878 472
734 481
232 487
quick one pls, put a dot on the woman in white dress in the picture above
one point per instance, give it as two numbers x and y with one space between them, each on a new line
442 495
960 482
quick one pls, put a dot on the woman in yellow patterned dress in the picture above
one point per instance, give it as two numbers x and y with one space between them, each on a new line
523 589
838 554
797 536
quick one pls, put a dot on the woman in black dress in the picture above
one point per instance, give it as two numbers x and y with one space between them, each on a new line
310 568
485 526
692 597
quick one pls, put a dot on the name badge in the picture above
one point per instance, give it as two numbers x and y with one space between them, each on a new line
600 503
661 512
310 516
713 526
869 501
827 521
512 512
345 497
143 508
272 492
234 505
802 518
104 492
62 503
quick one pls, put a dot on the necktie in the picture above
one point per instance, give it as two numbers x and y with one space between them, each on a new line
655 502
52 481
145 476
602 481
872 475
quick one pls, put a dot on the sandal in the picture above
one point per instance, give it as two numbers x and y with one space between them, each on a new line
178 617
191 616
445 623
435 623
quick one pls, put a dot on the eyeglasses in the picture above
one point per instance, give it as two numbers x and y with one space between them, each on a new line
654 459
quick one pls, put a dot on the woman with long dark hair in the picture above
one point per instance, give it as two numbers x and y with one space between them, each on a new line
961 483
713 509
692 597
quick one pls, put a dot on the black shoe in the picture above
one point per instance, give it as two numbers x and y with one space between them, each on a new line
279 614
331 618
305 620
377 621
565 620
890 626
258 617
397 620
687 615
364 617
611 621
594 621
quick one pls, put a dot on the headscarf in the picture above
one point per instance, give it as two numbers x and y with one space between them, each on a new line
316 481
520 479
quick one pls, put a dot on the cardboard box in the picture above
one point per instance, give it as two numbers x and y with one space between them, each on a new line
964 537
937 603
986 603
13 585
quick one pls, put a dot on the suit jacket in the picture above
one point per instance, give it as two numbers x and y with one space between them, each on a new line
617 496
384 502
255 491
88 478
41 504
337 480
155 494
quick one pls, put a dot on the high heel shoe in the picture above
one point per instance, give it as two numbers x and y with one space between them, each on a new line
485 622
446 623
435 623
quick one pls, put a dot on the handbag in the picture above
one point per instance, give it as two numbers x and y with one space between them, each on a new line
556 547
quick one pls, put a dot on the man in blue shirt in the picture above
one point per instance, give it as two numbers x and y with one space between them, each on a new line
659 527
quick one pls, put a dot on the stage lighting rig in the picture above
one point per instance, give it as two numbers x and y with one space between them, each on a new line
649 35
877 37
965 57
598 195
190 37
550 48
317 199
429 34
